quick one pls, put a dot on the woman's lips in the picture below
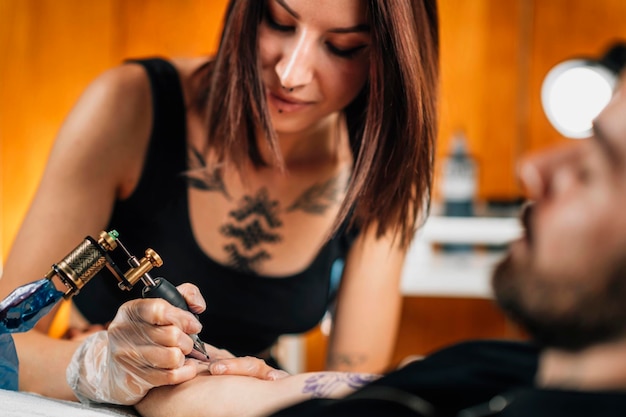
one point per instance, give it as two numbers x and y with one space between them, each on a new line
284 104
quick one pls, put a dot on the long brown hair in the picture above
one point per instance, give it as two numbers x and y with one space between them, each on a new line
392 123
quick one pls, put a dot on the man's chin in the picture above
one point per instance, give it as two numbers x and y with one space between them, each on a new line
530 299
509 277
520 249
502 277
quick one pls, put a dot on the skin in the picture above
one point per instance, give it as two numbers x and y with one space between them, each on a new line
562 271
245 396
299 63
97 159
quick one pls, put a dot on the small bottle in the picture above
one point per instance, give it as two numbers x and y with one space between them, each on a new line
459 179
458 186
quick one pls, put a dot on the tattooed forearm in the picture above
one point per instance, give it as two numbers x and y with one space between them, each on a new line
319 197
326 384
346 361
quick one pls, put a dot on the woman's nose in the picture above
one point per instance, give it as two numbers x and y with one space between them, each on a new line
295 66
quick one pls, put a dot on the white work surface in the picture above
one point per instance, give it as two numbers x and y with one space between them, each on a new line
429 272
24 404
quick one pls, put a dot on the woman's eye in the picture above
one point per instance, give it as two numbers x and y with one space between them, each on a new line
344 53
272 23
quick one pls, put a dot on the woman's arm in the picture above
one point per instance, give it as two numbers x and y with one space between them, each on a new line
368 306
97 157
237 396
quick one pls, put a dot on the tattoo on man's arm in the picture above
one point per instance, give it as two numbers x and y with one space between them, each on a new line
324 384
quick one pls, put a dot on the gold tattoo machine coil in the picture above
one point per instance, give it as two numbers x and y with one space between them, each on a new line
91 256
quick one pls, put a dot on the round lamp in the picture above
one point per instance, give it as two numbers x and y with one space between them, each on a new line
575 91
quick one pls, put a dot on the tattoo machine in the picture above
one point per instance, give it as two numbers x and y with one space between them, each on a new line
88 258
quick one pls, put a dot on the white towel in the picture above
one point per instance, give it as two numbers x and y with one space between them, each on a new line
26 404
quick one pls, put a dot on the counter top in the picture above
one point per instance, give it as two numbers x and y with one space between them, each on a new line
431 272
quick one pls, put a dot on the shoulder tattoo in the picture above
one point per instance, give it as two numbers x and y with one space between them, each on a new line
319 197
200 177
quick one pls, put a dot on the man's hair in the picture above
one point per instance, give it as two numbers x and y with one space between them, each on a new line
392 123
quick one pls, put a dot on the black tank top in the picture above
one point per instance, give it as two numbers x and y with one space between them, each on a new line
245 312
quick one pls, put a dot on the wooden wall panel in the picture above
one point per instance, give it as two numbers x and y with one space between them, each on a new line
50 50
480 58
428 324
174 27
564 29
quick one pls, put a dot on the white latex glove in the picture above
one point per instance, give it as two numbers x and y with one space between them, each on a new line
144 347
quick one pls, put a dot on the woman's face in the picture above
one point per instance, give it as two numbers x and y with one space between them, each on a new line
314 57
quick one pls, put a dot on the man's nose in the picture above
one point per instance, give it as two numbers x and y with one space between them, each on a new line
540 172
531 178
295 67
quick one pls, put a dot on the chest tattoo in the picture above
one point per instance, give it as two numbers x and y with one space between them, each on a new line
201 178
319 197
254 223
243 263
259 205
250 235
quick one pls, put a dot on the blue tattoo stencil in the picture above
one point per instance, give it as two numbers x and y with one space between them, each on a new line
322 385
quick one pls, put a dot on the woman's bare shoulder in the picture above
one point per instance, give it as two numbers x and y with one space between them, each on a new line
125 79
130 80
121 94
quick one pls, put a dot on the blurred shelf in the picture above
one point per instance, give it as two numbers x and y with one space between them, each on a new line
433 272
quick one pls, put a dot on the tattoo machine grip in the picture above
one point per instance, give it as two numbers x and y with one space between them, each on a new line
167 291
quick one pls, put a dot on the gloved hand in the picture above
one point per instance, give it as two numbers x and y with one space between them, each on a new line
145 347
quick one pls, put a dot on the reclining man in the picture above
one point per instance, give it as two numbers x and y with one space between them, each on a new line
564 282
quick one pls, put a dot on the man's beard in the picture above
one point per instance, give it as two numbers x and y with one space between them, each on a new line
588 317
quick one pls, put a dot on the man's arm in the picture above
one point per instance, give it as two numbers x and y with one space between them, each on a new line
240 396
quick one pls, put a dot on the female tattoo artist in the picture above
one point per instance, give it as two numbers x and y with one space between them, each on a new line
302 152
